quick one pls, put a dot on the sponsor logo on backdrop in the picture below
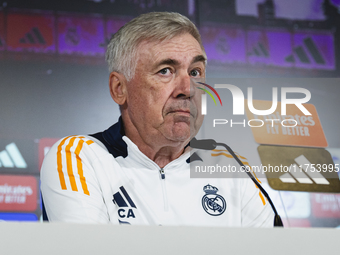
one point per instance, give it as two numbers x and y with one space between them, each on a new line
271 47
11 157
325 205
18 193
34 36
305 172
293 128
80 35
302 51
312 51
71 36
299 169
224 45
31 32
18 156
259 50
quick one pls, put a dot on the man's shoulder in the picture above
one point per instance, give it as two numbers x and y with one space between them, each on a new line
77 145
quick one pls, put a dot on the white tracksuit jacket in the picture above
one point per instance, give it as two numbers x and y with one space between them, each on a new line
83 180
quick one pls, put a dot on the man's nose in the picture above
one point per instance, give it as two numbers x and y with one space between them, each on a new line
185 87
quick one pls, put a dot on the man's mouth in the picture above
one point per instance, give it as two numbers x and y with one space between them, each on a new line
182 112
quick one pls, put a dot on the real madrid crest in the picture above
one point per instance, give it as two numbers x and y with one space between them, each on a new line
214 204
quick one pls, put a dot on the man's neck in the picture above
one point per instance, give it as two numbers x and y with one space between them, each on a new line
159 150
164 155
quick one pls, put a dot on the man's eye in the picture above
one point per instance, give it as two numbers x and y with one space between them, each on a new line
165 71
194 73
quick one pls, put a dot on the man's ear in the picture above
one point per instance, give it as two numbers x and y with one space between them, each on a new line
117 83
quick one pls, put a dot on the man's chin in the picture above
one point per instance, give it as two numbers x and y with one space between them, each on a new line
180 128
182 118
178 132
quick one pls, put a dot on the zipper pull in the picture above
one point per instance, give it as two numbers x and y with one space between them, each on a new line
161 171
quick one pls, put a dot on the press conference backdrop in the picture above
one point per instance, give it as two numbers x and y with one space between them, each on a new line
54 83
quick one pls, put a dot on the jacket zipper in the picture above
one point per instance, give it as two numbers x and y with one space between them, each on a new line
165 197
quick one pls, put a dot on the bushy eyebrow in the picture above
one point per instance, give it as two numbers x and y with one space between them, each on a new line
168 61
174 62
199 58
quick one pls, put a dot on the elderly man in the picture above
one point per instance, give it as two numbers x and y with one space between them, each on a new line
137 171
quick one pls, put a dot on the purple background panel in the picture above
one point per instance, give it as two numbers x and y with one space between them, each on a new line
280 46
113 24
324 44
224 45
81 35
257 47
2 31
291 9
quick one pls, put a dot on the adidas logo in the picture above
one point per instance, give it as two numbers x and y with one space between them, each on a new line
72 36
33 37
303 173
122 199
125 204
311 48
259 51
11 157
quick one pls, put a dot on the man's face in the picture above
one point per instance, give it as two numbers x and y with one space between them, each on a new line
162 100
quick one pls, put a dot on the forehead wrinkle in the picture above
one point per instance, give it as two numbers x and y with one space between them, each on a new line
168 61
149 47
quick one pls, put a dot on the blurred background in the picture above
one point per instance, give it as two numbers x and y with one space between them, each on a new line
54 80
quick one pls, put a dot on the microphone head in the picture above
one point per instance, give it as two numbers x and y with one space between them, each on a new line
205 144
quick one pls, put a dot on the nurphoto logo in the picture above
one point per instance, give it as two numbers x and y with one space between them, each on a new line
239 105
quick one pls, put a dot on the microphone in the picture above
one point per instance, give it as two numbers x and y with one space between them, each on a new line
210 144
206 144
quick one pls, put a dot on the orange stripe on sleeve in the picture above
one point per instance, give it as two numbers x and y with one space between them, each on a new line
215 150
238 155
89 142
69 164
262 198
80 167
246 163
222 153
59 164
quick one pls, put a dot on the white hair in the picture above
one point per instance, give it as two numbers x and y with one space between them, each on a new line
121 53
